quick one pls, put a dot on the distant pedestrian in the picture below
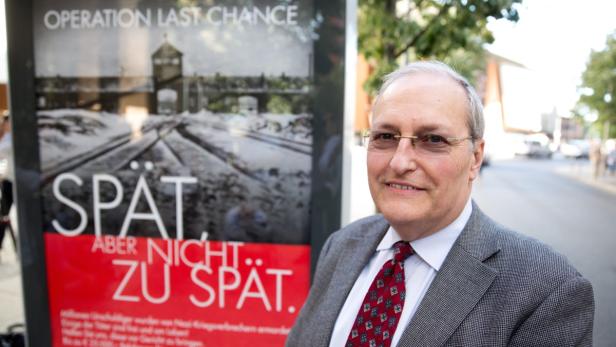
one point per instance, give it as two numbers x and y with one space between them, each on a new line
596 159
611 161
6 187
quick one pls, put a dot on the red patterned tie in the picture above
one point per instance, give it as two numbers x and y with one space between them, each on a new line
379 314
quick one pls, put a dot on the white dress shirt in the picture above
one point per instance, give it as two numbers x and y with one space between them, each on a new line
419 271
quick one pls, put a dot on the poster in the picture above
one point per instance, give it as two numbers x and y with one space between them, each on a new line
175 143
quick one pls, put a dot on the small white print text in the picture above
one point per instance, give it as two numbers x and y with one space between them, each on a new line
91 328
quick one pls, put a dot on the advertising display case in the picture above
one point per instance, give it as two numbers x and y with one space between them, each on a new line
178 166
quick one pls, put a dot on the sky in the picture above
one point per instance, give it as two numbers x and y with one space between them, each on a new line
554 38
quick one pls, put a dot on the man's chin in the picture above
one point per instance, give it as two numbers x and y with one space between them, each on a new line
403 217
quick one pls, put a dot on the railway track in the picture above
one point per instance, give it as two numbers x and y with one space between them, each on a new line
122 149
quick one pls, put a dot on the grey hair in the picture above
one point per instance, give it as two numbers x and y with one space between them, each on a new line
475 120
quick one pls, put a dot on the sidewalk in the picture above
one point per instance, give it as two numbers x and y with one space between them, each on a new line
11 300
582 171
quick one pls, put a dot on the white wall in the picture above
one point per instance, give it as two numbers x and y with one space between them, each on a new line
350 80
3 54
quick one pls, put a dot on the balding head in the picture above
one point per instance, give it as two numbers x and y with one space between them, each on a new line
475 119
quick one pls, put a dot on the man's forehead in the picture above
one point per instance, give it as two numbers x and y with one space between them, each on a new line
430 89
425 80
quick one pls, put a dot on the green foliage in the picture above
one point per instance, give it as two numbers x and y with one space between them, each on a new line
278 104
599 84
217 105
452 31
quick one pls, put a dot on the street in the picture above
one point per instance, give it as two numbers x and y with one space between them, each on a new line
576 219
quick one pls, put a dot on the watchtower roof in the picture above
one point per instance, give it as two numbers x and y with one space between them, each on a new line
167 50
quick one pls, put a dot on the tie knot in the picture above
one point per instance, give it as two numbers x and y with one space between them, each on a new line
402 250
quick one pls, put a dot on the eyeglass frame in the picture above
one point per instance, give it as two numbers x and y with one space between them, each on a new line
449 141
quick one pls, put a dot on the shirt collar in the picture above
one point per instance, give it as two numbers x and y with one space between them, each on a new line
433 248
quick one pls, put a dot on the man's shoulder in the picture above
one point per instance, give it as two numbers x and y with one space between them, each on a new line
530 293
526 257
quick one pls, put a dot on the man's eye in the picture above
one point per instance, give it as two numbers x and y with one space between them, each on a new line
433 139
383 137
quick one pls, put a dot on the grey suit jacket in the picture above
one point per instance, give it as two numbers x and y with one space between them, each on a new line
495 288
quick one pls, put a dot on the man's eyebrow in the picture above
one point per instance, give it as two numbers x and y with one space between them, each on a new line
385 126
420 129
428 128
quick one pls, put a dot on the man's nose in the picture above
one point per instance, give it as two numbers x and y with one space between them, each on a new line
404 157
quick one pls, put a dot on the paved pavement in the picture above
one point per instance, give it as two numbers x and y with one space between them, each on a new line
582 171
11 302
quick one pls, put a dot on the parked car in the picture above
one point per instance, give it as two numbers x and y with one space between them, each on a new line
533 148
487 159
575 149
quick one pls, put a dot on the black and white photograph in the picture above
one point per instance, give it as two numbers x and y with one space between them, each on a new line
179 119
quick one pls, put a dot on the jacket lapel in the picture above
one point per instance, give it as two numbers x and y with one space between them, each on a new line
352 259
460 283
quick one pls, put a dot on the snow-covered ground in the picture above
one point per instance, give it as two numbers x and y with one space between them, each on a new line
68 133
261 162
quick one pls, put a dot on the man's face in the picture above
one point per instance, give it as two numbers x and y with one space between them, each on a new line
420 192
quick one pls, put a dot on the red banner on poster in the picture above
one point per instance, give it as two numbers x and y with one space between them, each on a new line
138 292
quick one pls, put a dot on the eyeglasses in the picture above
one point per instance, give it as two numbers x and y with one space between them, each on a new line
429 144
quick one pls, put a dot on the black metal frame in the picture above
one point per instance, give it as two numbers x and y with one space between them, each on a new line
27 171
328 110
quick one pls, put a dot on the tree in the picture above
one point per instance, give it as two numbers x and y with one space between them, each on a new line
453 31
599 85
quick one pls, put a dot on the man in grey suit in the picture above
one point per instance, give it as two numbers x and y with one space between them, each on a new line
433 270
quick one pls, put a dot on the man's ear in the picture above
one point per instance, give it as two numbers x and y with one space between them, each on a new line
476 159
